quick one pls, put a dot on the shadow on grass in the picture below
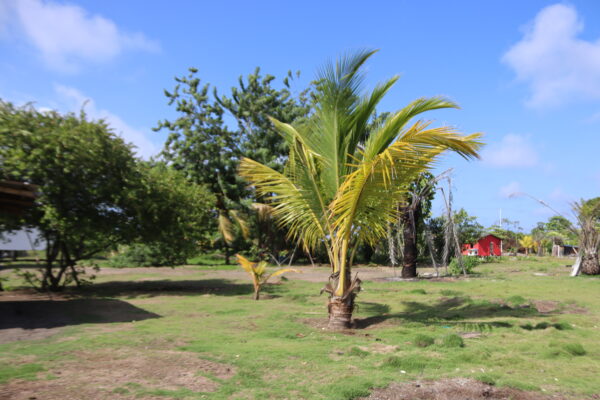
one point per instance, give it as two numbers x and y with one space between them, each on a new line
56 313
452 311
221 287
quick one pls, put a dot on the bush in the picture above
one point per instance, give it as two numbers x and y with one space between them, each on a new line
355 351
452 340
575 349
423 341
468 262
141 255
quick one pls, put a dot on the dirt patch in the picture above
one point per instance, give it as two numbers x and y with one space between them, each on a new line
380 348
470 335
575 309
454 389
545 306
108 374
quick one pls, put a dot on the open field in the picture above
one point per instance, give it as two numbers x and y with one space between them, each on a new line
194 332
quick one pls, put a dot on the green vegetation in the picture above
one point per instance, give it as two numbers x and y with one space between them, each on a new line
423 340
344 178
277 347
469 263
93 193
259 274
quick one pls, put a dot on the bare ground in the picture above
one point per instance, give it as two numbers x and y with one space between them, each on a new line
455 389
107 374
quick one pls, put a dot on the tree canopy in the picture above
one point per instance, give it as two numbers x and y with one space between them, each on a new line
93 193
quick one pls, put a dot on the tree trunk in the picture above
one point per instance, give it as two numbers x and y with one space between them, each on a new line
589 264
340 312
256 294
409 261
341 305
227 254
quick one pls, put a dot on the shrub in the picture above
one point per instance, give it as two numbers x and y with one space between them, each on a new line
575 349
141 255
355 351
516 300
468 262
563 326
452 340
423 340
407 363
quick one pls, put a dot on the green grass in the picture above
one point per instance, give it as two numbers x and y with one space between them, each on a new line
278 351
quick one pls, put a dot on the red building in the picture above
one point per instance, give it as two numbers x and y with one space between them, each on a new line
489 245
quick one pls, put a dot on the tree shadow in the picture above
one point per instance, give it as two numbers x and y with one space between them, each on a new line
34 314
455 311
372 308
133 289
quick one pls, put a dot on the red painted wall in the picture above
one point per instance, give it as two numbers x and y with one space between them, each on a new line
483 246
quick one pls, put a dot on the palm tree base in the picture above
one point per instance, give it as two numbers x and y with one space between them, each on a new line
590 264
340 313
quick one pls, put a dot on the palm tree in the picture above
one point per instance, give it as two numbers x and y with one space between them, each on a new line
343 181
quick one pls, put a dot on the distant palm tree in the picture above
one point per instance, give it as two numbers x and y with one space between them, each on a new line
343 181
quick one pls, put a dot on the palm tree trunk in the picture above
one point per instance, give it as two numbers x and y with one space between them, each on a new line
589 264
340 313
340 307
409 262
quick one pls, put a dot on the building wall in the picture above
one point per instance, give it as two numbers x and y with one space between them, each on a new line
483 246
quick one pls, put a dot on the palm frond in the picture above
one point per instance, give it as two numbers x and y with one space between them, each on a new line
241 222
382 138
367 200
226 228
294 206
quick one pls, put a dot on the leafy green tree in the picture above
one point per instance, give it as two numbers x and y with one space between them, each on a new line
208 151
342 182
173 215
469 230
85 174
252 102
93 195
510 232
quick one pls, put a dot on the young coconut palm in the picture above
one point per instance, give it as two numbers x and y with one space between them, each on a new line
343 181
258 272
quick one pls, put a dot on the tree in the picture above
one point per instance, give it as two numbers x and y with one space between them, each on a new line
527 242
588 218
469 230
93 195
342 182
208 151
251 103
84 172
172 215
415 208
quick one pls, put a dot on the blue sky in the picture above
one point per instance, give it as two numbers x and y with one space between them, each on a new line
527 74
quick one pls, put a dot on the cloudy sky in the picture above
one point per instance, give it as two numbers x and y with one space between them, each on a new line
527 74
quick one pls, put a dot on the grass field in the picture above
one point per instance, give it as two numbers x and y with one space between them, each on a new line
194 332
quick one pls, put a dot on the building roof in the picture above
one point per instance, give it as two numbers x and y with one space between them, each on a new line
490 234
16 197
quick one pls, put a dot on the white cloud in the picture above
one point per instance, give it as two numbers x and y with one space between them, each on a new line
512 151
74 100
507 190
558 66
67 35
